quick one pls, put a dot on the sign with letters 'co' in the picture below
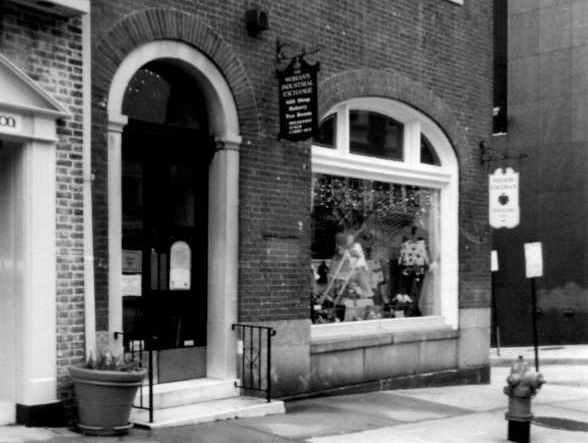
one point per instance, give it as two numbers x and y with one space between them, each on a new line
298 100
10 123
504 198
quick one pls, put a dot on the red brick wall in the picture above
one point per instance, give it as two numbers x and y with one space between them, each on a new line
49 49
443 47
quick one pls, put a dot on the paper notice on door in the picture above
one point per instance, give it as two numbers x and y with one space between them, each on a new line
132 261
131 284
180 263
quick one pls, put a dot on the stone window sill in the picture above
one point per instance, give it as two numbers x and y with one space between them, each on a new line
354 335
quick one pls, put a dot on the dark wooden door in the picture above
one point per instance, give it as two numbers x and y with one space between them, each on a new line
170 229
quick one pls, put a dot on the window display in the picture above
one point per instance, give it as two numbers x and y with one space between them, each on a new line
384 228
375 249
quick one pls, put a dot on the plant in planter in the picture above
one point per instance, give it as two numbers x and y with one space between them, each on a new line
105 389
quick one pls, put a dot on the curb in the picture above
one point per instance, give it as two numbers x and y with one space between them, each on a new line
495 362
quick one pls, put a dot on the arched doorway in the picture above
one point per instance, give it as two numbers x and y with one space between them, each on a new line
166 155
173 177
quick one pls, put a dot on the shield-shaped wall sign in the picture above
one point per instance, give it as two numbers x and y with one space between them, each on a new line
504 198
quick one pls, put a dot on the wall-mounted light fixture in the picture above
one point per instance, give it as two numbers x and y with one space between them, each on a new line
489 154
257 21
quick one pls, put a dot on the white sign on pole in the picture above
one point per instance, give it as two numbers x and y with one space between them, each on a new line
494 261
533 260
503 190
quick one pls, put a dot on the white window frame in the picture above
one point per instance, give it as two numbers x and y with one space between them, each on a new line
409 171
65 8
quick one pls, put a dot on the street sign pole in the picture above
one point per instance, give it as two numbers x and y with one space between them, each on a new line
494 269
535 335
534 269
495 312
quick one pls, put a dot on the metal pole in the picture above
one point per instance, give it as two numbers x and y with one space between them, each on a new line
259 347
250 356
243 343
495 314
268 364
151 383
535 335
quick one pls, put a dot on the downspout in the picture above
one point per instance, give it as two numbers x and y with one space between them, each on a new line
89 298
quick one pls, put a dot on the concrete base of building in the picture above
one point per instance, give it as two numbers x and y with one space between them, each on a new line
46 415
7 413
451 377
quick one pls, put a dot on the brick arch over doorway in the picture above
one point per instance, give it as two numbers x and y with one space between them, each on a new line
164 24
390 84
110 50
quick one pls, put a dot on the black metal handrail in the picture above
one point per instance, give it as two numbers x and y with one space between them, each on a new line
135 349
251 347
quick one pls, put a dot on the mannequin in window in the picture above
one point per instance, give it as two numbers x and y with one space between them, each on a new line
360 270
402 234
413 264
349 268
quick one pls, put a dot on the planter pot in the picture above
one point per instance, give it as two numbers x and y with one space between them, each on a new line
104 399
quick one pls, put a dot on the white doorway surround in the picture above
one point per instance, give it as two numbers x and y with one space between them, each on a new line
27 242
215 396
223 196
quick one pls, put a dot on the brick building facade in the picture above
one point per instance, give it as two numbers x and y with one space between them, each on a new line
246 218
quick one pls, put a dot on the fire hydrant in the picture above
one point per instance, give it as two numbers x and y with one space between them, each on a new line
522 386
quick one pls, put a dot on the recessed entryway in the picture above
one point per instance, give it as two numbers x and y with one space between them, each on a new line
173 209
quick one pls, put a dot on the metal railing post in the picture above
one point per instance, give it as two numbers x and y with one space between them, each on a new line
248 380
268 365
151 384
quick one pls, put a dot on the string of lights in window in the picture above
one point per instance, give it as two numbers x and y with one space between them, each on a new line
349 200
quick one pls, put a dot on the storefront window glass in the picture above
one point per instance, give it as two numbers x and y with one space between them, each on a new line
326 132
374 249
384 217
428 154
375 135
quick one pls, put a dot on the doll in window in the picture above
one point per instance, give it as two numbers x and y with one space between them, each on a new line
413 264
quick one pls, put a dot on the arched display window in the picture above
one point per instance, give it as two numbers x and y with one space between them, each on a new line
384 217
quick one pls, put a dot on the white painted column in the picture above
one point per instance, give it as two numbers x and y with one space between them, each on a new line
223 259
89 292
115 314
37 347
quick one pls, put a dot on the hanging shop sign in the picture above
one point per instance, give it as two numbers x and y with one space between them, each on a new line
504 198
297 85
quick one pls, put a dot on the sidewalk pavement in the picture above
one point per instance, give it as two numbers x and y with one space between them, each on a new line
471 413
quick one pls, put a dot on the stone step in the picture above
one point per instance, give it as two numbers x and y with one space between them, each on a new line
7 413
180 393
202 412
